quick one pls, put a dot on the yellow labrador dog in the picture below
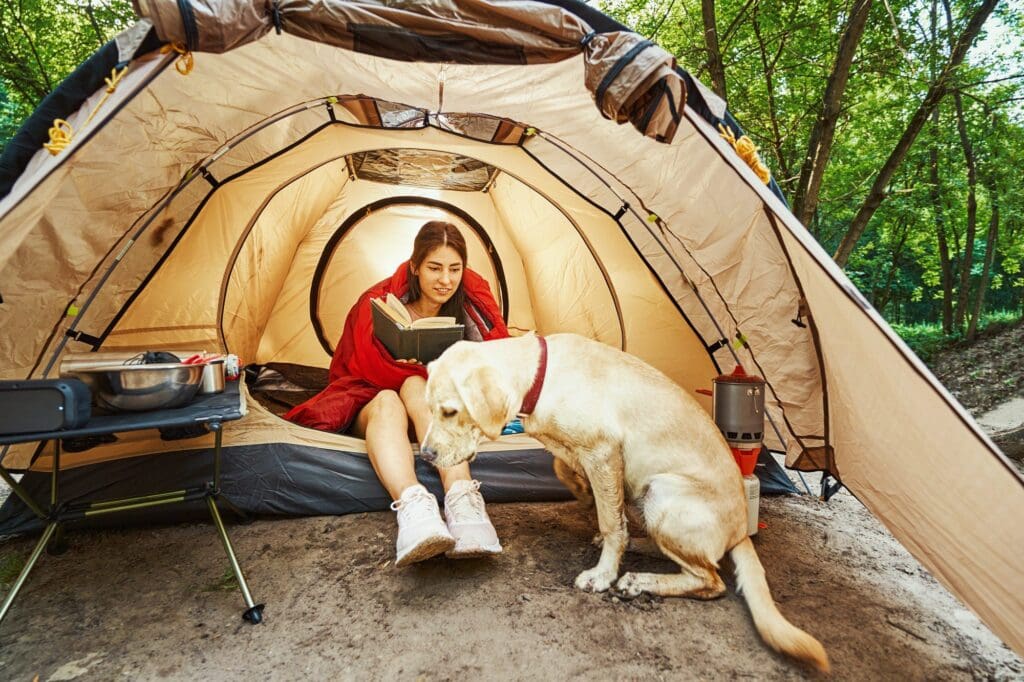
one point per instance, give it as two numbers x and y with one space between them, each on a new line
637 438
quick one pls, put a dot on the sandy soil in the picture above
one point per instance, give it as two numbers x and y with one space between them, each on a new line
159 603
154 603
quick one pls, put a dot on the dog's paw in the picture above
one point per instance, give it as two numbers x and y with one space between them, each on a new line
594 580
631 585
597 540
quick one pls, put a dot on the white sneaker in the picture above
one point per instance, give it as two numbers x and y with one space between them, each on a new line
468 522
422 532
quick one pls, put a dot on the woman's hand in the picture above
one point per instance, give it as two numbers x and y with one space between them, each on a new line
411 361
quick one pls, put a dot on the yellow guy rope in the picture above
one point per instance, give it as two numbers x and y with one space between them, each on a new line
61 133
747 150
185 62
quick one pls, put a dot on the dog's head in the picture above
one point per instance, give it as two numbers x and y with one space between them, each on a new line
468 399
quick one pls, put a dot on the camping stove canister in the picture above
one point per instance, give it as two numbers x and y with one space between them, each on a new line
739 407
738 404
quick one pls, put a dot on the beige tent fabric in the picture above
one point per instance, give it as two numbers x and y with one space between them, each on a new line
900 442
44 165
264 262
633 79
557 102
368 253
905 447
916 461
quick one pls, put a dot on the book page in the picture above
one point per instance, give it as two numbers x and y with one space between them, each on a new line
431 322
391 312
396 304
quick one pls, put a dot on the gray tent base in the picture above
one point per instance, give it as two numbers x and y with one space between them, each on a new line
288 480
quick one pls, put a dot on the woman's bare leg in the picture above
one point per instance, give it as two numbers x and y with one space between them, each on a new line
414 396
384 423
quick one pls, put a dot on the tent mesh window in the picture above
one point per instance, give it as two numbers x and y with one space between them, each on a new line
422 168
483 128
394 115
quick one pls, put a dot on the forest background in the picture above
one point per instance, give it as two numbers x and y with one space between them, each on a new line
894 129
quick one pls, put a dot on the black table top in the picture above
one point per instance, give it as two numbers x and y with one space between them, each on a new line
204 409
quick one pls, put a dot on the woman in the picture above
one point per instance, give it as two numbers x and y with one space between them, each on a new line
375 396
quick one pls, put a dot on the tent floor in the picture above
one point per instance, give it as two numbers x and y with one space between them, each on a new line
282 479
151 603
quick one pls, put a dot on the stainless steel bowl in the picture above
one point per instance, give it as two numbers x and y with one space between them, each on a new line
137 388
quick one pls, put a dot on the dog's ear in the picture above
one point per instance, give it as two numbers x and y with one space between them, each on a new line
487 401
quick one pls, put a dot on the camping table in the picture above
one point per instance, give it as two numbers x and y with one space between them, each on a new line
209 411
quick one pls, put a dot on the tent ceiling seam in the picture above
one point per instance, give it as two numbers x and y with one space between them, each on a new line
666 232
657 277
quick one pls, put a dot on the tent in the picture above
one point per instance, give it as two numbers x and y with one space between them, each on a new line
232 174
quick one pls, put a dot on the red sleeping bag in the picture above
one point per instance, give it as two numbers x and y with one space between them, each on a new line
362 367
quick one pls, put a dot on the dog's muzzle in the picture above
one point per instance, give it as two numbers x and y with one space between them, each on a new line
428 453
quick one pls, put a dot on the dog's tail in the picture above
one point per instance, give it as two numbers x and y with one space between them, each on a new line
774 629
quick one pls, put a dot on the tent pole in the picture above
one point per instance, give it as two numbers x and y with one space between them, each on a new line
662 241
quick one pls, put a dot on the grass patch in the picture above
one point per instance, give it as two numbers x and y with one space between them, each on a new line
226 583
927 339
10 566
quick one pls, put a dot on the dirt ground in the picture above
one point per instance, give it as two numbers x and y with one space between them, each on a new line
159 603
156 603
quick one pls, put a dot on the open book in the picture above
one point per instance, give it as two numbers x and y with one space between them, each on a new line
423 339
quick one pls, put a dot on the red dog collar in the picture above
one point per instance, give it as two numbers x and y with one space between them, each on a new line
530 401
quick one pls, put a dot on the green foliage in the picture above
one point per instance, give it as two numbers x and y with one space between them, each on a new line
778 55
926 338
42 41
226 583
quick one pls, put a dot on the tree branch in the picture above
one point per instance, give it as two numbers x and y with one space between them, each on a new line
819 146
931 100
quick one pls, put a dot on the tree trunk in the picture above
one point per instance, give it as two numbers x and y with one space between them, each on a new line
819 146
940 231
991 242
715 66
887 291
936 196
19 17
967 263
768 65
92 20
935 94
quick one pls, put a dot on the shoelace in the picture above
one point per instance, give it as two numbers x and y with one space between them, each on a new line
418 502
466 504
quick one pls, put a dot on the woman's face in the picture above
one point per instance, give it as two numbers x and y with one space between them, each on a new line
439 274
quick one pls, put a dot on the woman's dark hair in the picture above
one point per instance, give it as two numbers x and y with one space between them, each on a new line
432 235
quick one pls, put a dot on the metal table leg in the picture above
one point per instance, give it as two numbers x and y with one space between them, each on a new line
254 612
22 494
53 535
53 530
58 546
47 533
